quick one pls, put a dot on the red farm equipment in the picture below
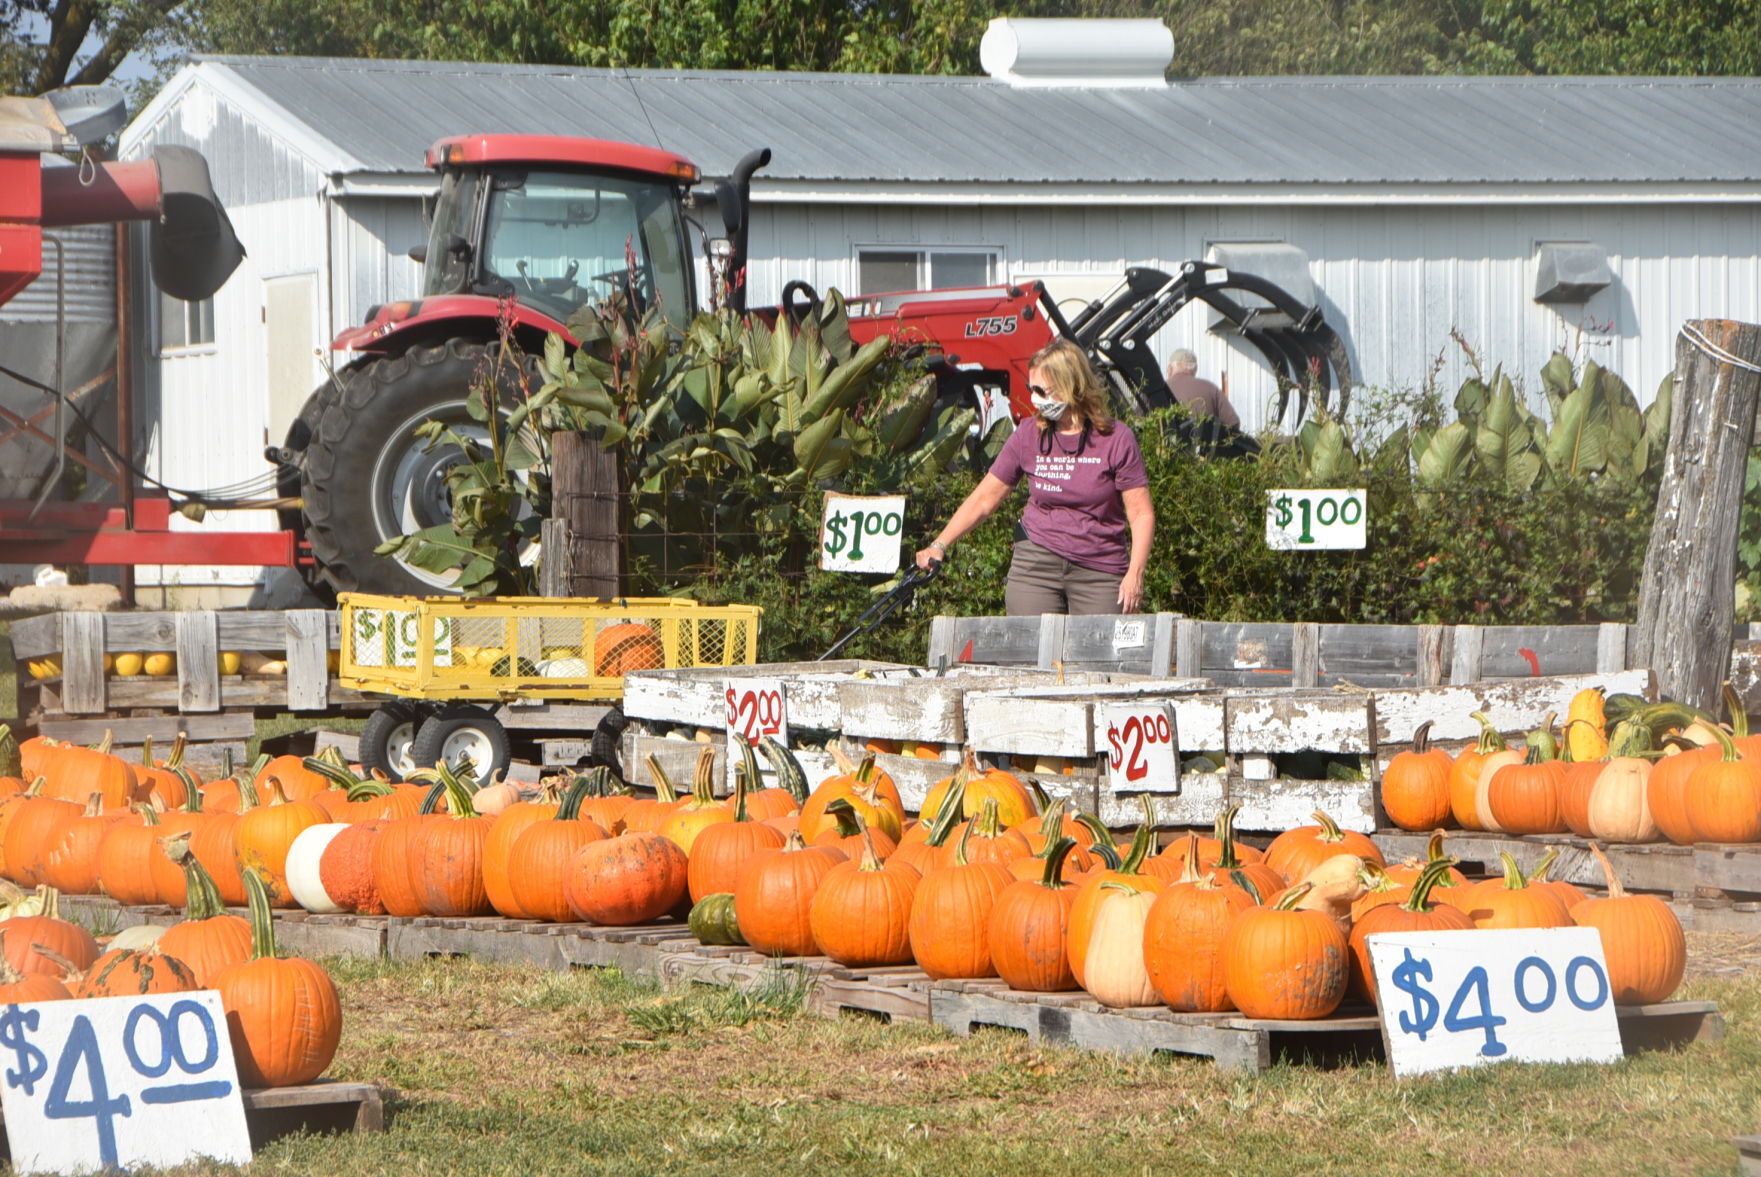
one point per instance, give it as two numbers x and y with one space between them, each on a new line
193 250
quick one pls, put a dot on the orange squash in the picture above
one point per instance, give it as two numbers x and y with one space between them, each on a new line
1464 774
1415 785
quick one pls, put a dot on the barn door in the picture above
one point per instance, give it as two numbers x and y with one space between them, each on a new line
290 316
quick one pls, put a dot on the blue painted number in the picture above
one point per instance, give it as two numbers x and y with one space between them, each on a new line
82 1047
1454 1021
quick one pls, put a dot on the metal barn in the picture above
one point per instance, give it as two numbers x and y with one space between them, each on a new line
1520 215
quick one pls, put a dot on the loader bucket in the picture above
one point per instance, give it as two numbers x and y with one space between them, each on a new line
194 248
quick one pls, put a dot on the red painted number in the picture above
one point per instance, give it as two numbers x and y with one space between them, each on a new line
755 714
1129 739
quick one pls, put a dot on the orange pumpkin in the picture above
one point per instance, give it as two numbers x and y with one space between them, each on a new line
1416 913
81 772
619 649
1642 940
861 914
1464 774
31 833
345 869
1523 798
509 824
127 972
446 856
1284 963
1415 785
626 880
166 779
722 849
1295 853
538 861
1722 797
1183 937
984 783
1510 902
1030 925
71 864
869 791
773 896
266 831
126 857
208 939
284 1016
64 939
950 917
702 810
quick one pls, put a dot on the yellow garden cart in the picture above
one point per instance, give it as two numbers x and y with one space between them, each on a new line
447 661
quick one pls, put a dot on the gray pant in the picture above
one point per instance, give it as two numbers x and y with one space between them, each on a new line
1042 581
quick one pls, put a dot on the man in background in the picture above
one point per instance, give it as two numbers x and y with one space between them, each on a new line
1200 397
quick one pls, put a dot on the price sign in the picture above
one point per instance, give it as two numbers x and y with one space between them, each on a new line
757 707
118 1082
389 637
1141 746
860 533
1297 519
1461 999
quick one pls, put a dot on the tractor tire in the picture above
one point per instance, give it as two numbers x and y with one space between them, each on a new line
463 729
364 477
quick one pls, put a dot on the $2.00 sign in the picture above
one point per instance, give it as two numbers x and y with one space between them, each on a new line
1297 519
120 1082
860 533
1460 999
1141 746
757 707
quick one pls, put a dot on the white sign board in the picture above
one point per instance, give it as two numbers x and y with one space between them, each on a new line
757 707
120 1082
387 637
1461 999
1303 519
860 533
1141 745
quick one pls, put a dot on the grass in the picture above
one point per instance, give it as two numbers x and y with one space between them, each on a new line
509 1070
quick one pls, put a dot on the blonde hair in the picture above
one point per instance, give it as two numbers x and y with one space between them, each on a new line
1068 371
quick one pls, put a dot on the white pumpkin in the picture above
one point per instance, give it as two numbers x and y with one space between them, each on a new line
565 668
302 868
139 938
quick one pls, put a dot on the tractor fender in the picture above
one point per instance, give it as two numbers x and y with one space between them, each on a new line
397 326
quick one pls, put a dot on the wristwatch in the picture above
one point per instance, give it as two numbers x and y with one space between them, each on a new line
938 546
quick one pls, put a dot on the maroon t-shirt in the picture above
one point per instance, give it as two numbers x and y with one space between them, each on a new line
1074 485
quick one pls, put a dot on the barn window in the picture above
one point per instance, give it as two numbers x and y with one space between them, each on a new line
185 324
881 269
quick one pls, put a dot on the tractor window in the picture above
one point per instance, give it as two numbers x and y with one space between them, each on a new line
562 240
448 269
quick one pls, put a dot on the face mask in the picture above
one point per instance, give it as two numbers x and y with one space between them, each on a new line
1049 407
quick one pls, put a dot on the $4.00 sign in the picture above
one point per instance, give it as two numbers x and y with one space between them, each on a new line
860 533
1141 746
118 1082
1460 999
757 707
1297 519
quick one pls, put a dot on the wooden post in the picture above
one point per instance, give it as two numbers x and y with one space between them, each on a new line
1686 592
1188 648
586 496
1464 664
1430 655
1305 654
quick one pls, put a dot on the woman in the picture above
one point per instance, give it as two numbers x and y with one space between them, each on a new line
1084 538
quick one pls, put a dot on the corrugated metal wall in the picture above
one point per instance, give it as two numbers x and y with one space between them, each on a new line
1396 281
204 415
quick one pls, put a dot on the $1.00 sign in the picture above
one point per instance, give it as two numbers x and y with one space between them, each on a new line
1315 519
757 707
120 1082
1460 999
860 533
1141 746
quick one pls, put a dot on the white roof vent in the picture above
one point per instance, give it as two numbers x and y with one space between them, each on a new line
1098 54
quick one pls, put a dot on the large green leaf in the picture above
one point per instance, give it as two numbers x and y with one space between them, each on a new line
1503 432
1558 379
1445 456
1331 462
1577 445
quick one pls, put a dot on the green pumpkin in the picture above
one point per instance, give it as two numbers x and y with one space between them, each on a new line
712 920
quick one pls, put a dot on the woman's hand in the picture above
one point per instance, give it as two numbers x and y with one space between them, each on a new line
1131 591
930 555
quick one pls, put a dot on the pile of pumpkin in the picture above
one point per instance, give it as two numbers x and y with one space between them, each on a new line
284 1014
1625 770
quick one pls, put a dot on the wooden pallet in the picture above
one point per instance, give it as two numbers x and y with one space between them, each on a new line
1748 1155
1706 871
325 1105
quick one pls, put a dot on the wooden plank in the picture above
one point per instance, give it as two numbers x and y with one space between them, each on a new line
1611 638
553 574
551 715
1465 663
1060 721
1279 805
348 743
1051 639
33 637
1748 1155
1654 867
146 632
84 690
931 708
1202 796
1513 706
1298 722
362 1103
308 653
941 642
198 661
996 641
248 690
1728 868
1305 654
1124 643
225 725
694 696
1534 651
1430 655
1243 654
587 492
1188 648
1162 647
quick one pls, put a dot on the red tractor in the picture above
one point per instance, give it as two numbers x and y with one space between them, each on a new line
555 223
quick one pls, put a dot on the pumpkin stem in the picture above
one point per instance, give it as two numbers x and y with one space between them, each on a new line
1615 890
1107 853
990 819
1041 800
147 751
103 746
149 815
192 789
1191 872
960 847
1436 870
1491 740
788 769
794 841
226 765
1290 898
948 816
1421 738
1053 877
51 898
1514 880
849 821
703 780
1739 719
569 809
1141 841
1434 846
203 896
747 775
1330 831
1224 831
871 859
1727 745
431 799
740 813
1051 824
262 925
337 775
663 788
70 972
1240 879
458 796
840 759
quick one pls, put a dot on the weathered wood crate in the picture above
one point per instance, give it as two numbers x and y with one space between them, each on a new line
216 710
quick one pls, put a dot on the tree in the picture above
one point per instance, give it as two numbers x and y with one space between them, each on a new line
51 43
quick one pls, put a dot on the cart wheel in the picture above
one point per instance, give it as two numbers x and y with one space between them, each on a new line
387 739
461 731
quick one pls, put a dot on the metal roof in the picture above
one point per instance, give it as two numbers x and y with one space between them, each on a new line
381 116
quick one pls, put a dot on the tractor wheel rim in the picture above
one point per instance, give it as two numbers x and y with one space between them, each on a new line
409 485
397 749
